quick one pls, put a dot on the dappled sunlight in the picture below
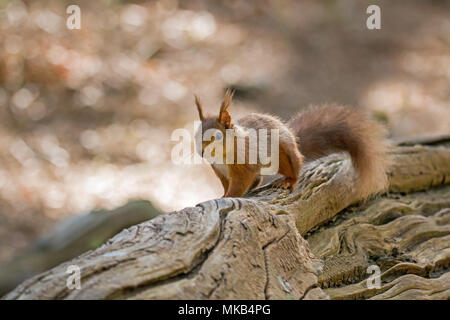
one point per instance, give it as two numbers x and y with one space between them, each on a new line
408 105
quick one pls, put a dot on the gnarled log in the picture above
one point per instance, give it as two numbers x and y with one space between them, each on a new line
252 247
72 238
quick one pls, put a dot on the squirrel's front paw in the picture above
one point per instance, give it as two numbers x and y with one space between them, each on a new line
286 184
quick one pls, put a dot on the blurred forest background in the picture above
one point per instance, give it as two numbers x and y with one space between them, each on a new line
86 115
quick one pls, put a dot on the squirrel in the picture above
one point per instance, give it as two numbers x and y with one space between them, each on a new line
313 133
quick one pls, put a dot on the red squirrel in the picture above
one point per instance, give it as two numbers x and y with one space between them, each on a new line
313 133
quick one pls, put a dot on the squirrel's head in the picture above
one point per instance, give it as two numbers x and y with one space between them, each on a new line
214 128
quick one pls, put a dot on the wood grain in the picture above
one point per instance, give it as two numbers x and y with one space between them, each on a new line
252 247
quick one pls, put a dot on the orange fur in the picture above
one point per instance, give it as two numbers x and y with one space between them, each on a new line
313 133
327 129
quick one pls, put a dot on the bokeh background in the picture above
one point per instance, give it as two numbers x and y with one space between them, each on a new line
86 115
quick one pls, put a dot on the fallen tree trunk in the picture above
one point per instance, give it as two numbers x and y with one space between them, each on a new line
252 248
72 238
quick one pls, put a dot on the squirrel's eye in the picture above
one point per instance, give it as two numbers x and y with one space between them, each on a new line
218 135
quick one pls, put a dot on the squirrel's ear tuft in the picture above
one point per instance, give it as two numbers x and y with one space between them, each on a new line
199 105
224 115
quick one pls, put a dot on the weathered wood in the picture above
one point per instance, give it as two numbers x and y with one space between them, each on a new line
72 238
402 235
202 252
252 248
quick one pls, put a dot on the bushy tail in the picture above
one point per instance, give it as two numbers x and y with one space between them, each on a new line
327 129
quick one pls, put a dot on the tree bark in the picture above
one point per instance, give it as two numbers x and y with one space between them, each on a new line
72 238
253 247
